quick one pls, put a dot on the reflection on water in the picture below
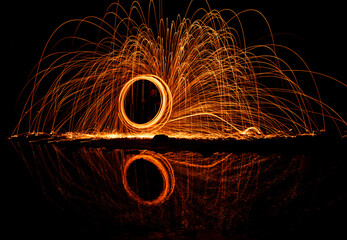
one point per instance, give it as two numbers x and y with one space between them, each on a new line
172 190
146 175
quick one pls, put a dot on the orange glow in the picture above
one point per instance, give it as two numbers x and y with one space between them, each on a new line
163 114
96 177
165 170
212 84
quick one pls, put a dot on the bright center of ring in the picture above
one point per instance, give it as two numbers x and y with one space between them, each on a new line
145 103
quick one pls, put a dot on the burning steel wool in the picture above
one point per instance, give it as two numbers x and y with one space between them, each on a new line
133 111
202 78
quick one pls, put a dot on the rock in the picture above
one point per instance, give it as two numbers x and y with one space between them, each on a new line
160 139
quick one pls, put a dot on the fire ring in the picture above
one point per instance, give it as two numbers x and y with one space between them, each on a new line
163 114
165 170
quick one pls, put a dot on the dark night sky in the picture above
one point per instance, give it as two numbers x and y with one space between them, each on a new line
316 29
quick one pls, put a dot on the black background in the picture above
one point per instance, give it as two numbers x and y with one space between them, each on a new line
315 29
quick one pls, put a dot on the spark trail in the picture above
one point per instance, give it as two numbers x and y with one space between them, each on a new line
210 82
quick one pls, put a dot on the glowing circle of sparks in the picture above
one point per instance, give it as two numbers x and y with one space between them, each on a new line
163 113
165 170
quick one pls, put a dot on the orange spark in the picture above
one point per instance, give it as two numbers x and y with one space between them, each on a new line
210 82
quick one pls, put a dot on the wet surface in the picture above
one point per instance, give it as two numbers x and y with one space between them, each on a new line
79 193
316 207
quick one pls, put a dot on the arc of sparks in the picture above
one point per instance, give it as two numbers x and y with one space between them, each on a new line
165 170
211 83
164 112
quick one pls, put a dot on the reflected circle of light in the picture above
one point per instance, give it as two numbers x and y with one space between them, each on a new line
165 170
163 114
